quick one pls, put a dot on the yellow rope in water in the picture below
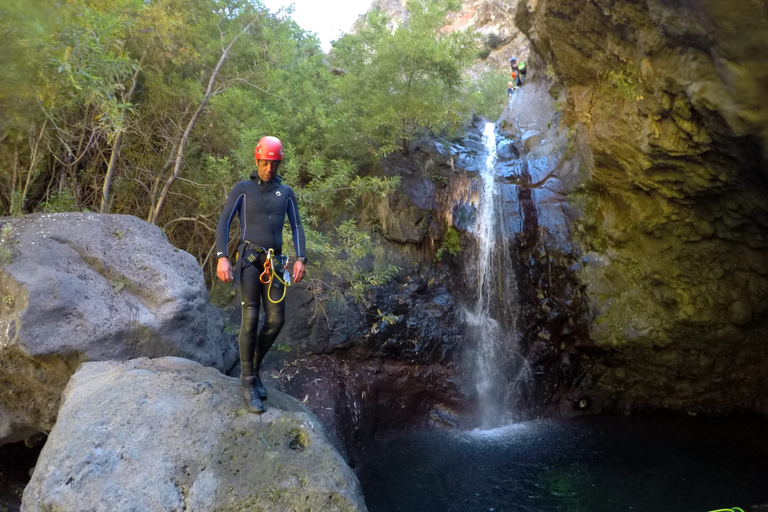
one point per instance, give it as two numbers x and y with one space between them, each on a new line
734 509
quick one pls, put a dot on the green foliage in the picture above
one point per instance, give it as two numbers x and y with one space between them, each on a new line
625 83
6 256
405 81
387 318
439 175
493 40
16 200
490 95
483 53
86 83
451 244
64 201
341 257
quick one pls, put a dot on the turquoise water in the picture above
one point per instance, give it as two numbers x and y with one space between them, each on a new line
583 465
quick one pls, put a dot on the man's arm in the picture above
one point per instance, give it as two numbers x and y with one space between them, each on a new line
299 242
231 207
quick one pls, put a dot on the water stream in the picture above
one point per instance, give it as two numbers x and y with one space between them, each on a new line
494 274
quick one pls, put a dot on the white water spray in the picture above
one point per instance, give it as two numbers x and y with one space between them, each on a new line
492 348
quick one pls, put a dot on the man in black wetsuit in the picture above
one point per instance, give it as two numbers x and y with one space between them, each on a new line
261 204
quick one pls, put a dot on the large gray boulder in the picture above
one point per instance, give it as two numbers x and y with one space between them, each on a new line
170 435
84 287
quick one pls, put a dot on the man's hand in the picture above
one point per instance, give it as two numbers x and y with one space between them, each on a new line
224 270
298 271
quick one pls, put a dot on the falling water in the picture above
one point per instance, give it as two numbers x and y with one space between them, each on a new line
492 269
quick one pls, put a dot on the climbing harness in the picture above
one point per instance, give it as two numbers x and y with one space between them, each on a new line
274 266
240 262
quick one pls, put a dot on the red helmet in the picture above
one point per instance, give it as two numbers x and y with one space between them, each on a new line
269 148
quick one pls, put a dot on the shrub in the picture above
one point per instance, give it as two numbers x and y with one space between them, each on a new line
451 244
64 201
483 53
493 40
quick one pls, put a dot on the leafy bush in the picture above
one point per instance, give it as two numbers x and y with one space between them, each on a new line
491 93
64 201
483 53
493 40
451 244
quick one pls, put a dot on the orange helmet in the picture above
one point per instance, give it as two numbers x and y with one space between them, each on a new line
269 148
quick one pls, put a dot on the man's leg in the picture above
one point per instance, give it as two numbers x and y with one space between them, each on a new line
250 295
274 318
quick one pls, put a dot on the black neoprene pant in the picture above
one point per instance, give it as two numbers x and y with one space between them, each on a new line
253 348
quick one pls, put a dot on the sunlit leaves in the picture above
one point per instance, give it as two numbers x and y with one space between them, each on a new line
402 82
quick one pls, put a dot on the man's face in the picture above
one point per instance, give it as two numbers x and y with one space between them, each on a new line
267 169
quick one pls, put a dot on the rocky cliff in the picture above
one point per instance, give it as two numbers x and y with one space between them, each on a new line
637 192
663 105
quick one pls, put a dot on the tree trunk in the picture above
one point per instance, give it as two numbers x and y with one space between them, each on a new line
111 171
155 215
116 146
32 165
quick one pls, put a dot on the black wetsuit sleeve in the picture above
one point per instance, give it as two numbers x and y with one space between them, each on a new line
233 206
297 230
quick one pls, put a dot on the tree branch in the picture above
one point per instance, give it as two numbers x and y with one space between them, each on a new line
180 153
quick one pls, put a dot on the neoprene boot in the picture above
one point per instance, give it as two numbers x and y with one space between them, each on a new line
251 394
259 386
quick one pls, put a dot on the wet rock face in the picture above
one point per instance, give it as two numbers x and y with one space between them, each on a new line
668 103
84 287
170 434
356 399
386 365
418 324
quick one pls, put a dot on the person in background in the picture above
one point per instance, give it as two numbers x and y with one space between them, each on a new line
522 68
516 75
262 203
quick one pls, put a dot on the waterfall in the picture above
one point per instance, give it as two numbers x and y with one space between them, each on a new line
494 275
